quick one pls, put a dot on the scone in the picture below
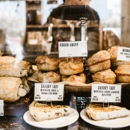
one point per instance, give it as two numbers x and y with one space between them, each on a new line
48 77
41 112
99 61
45 63
113 54
73 66
75 78
123 73
105 76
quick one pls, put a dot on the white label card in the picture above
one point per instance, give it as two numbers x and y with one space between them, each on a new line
106 93
1 108
73 49
48 92
123 54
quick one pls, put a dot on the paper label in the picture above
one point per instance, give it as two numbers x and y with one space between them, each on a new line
123 54
1 108
48 92
73 49
106 92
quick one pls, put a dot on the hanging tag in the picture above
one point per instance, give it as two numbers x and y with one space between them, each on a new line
45 91
110 92
74 48
1 108
123 54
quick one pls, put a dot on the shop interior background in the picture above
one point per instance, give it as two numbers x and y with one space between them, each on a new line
13 20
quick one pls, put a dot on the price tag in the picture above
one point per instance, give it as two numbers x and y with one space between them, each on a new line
1 108
48 91
123 54
103 92
73 49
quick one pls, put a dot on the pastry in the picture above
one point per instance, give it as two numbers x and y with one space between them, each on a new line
9 66
113 54
99 61
7 59
12 88
98 112
75 78
105 76
45 63
123 73
41 112
48 77
71 66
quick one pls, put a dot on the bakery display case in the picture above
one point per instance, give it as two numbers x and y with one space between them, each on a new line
43 86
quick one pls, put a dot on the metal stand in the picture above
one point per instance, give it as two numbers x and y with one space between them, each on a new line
83 28
83 35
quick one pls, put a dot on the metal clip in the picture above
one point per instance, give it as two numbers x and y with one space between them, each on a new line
69 56
49 101
105 101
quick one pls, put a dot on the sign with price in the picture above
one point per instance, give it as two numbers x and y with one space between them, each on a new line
123 54
73 49
106 92
1 108
48 92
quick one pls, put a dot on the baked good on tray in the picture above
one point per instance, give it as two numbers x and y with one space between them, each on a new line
98 112
45 63
113 54
75 78
48 77
6 59
12 88
10 66
71 66
105 76
41 112
99 61
13 78
123 73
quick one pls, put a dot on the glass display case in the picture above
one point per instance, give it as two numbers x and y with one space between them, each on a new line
31 33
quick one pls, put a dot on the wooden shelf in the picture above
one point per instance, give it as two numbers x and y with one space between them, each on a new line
46 26
59 26
33 0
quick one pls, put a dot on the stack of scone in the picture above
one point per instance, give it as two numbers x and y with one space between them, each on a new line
123 73
72 70
13 82
99 65
47 69
121 68
113 54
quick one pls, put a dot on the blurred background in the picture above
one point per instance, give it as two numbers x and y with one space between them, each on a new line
27 30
